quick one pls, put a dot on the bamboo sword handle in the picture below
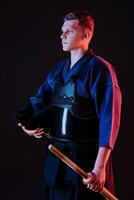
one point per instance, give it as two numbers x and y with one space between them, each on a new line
106 193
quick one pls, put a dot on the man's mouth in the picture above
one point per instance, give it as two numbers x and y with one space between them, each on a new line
64 42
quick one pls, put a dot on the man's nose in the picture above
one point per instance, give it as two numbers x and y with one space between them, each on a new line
63 36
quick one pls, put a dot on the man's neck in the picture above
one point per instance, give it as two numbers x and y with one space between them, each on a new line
76 55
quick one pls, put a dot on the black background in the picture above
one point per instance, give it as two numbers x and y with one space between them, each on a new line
29 48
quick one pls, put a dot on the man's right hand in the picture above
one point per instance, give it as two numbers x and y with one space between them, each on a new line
37 133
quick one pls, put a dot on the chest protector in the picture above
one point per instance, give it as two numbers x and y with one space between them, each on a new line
74 117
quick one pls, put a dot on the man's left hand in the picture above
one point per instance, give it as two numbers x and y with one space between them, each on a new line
97 181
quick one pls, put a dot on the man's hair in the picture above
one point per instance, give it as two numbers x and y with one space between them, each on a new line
84 17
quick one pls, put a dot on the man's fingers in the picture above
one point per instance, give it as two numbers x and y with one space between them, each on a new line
92 178
19 124
38 136
86 180
97 187
37 132
40 133
39 129
93 183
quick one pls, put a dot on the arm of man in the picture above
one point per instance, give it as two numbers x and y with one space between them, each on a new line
97 181
36 105
107 97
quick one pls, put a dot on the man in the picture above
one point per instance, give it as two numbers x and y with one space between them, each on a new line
80 102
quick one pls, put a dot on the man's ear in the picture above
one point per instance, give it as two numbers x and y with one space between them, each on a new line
85 35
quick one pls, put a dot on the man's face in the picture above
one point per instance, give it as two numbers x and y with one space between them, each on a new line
72 34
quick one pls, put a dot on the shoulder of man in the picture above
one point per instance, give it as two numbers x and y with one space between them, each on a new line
98 63
103 71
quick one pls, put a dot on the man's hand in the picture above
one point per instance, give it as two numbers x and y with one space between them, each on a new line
37 133
97 181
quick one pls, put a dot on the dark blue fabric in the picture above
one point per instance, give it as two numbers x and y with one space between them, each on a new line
94 84
53 166
62 192
34 114
93 81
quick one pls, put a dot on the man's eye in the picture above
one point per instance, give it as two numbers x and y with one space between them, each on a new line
69 31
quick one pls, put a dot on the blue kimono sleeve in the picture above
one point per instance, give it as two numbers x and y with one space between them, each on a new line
44 92
107 97
36 111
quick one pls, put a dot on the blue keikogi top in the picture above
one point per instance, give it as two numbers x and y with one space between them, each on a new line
97 78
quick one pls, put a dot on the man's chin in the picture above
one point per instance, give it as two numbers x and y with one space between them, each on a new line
65 49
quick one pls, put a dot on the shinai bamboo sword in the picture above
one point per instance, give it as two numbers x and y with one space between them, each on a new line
105 193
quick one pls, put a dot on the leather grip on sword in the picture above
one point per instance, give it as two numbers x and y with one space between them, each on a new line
105 193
